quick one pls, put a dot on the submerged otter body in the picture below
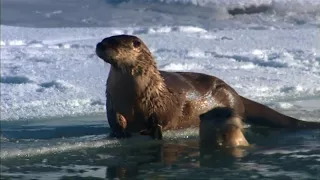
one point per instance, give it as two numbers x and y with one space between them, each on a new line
139 96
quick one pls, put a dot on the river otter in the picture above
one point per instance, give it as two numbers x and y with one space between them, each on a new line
151 101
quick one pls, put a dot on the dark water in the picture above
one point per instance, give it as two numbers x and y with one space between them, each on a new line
274 154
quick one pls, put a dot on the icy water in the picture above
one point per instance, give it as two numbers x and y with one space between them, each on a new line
274 154
52 112
78 148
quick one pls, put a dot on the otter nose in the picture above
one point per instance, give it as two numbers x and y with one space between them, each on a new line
100 46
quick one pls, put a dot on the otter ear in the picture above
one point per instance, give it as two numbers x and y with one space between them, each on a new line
136 43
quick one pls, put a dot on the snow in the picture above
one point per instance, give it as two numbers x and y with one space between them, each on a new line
53 71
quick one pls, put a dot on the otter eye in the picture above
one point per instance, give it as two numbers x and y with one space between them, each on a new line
136 44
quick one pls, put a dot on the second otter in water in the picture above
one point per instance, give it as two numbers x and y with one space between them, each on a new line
141 98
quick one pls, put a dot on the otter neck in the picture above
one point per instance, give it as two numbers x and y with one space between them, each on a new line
152 92
150 81
147 76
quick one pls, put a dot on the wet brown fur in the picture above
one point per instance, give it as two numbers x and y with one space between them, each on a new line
137 90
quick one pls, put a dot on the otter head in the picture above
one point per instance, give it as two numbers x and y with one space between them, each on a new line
221 127
125 52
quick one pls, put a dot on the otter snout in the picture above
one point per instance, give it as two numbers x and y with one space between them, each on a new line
100 46
100 50
106 52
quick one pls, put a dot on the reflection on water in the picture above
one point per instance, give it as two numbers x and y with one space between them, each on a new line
121 172
278 155
161 154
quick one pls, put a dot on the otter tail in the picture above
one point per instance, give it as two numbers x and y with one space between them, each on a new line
258 114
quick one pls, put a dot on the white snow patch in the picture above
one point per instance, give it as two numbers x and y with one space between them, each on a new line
160 30
284 105
191 29
207 36
182 67
196 53
16 43
259 53
66 46
48 15
248 66
300 88
117 31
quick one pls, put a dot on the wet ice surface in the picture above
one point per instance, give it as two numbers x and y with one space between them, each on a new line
82 149
293 156
53 71
53 120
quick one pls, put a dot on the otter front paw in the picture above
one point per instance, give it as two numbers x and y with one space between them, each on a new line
145 132
155 132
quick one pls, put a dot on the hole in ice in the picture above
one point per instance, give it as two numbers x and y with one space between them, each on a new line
14 79
55 84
